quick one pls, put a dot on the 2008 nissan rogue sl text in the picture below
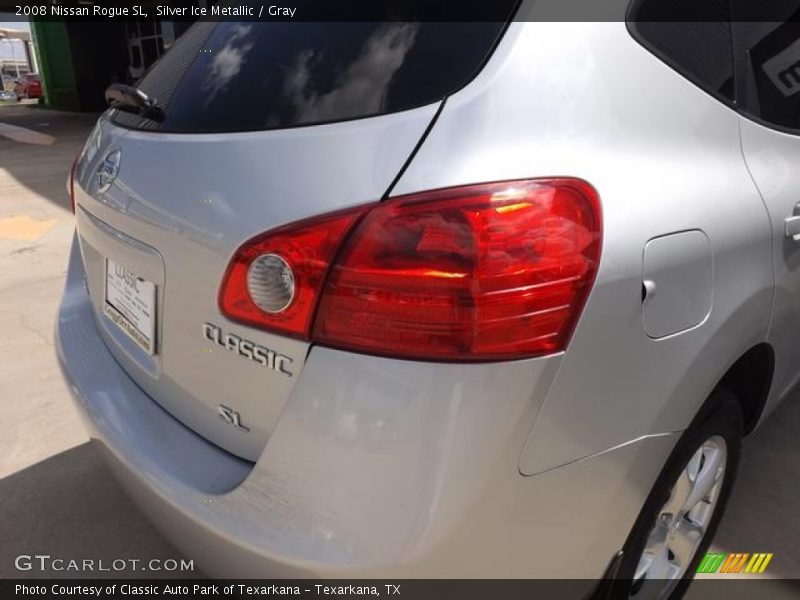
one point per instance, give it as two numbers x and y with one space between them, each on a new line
425 299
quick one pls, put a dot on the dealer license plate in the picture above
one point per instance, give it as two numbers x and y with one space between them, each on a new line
131 302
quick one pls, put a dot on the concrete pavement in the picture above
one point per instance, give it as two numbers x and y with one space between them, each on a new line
55 495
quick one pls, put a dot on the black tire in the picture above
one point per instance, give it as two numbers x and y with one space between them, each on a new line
723 418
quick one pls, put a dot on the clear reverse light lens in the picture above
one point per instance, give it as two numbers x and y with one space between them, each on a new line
270 282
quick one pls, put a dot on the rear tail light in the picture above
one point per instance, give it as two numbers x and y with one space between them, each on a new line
485 272
250 291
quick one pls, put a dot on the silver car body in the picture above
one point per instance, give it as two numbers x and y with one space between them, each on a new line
363 466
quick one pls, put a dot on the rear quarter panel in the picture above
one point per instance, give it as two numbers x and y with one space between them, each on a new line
585 100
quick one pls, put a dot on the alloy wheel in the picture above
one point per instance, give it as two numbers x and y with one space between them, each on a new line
682 522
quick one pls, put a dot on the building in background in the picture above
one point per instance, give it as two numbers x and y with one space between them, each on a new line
78 59
17 56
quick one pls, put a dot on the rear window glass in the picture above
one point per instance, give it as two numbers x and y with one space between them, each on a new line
242 76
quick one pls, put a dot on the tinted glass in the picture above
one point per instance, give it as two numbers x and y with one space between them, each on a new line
700 50
768 55
235 76
136 57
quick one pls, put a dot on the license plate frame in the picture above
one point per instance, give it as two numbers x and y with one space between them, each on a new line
129 301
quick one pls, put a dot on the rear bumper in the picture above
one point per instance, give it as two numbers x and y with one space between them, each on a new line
377 468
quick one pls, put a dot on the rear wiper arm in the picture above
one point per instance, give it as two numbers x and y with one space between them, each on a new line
129 99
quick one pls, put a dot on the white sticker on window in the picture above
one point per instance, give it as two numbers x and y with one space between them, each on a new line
783 69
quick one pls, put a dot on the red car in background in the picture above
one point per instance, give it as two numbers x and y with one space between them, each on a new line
28 86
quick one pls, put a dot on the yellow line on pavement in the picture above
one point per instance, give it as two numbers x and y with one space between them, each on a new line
22 227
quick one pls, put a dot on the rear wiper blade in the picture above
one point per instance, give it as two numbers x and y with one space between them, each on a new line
130 99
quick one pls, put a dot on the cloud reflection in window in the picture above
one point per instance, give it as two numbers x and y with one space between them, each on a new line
227 62
363 86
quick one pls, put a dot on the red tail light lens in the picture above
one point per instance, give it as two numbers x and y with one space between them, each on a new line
475 273
486 272
307 247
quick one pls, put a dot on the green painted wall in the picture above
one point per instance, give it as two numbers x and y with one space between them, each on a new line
55 64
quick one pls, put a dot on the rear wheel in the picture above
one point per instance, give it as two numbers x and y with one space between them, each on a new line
682 513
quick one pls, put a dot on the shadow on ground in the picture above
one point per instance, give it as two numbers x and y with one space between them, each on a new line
763 514
43 169
70 506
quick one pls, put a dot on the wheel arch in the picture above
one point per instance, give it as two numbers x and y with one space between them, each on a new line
749 378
